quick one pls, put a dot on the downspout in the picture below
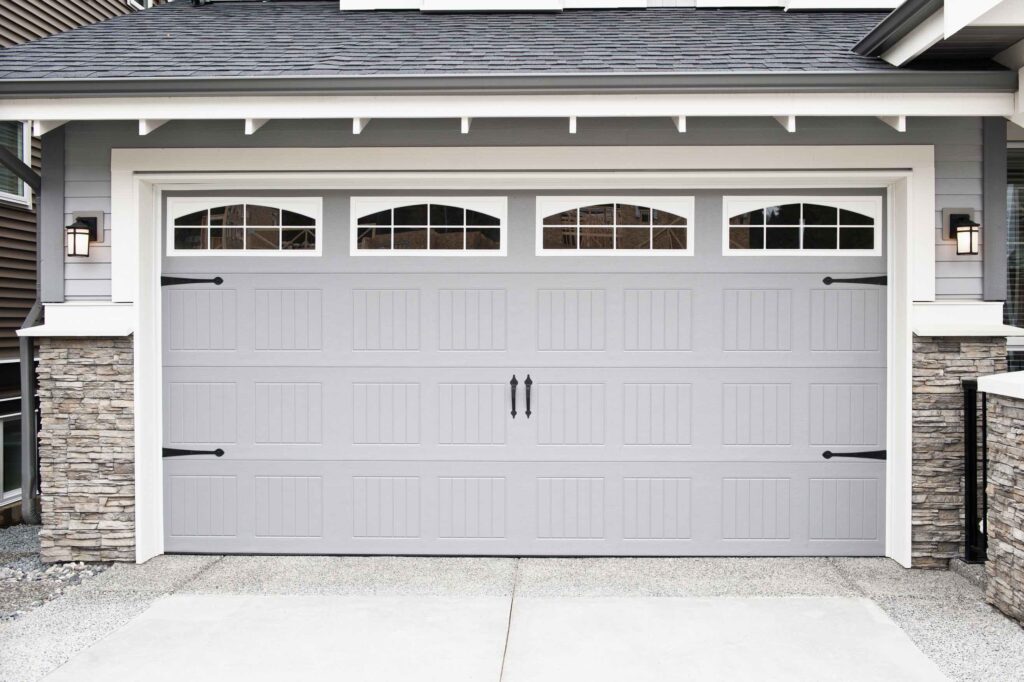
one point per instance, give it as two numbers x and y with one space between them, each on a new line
27 361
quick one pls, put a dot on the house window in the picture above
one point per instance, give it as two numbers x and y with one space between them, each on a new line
417 226
15 138
214 226
1013 310
622 226
807 226
10 461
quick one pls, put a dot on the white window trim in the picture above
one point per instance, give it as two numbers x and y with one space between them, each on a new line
310 206
496 206
679 205
870 206
25 197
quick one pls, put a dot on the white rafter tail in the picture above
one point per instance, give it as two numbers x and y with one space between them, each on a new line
787 122
254 124
466 123
897 123
40 128
359 125
572 125
680 123
148 125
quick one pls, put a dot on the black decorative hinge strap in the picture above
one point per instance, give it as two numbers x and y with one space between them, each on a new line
175 452
866 454
880 280
174 281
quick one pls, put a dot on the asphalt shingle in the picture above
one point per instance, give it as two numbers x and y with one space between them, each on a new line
281 39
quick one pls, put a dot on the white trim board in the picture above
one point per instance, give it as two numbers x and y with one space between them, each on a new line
362 107
139 178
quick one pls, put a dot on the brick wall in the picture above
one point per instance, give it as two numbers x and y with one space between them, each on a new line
940 364
87 449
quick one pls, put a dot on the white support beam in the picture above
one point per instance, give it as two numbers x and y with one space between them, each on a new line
787 122
359 125
680 123
897 123
466 123
148 125
254 124
40 128
572 125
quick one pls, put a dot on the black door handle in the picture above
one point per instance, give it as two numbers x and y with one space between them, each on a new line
529 384
174 452
514 383
866 454
880 281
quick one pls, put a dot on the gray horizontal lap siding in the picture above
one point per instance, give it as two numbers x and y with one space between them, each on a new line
957 141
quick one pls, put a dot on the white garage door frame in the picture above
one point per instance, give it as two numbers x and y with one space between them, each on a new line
139 177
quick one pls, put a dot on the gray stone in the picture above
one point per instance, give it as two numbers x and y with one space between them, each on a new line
1005 565
87 449
940 365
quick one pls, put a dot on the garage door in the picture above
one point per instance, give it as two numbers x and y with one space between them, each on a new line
524 374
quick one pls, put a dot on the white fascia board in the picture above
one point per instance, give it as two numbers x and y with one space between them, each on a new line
963 13
509 106
1009 384
927 33
85 318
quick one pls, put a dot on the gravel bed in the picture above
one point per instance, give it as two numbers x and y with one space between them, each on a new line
25 581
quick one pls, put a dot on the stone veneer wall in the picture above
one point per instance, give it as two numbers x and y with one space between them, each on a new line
1005 566
87 449
940 363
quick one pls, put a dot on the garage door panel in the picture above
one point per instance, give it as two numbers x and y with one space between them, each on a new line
326 322
520 507
678 406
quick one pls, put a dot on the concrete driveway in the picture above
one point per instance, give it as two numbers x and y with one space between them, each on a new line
398 618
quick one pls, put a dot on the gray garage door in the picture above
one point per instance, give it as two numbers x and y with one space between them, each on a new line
665 404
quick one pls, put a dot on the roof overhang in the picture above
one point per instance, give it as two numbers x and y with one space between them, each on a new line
903 80
890 107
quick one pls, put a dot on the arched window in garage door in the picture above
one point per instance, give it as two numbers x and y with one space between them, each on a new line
244 226
799 226
614 226
438 226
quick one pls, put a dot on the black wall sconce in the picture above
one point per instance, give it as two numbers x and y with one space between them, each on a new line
78 234
85 230
963 229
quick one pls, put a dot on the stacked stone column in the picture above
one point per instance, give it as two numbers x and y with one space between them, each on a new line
87 449
940 365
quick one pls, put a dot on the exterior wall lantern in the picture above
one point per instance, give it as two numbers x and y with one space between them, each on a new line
86 229
962 228
967 234
78 234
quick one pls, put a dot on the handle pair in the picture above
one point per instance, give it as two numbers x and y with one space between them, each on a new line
515 384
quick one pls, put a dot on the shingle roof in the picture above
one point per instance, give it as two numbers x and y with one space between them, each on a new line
288 39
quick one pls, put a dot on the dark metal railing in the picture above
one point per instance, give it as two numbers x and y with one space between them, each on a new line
975 474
